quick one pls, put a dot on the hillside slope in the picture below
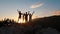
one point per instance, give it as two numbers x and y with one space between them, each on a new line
46 25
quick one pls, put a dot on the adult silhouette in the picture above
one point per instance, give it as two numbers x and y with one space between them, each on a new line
19 15
30 16
23 16
26 17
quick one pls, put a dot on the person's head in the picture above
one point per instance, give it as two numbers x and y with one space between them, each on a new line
26 12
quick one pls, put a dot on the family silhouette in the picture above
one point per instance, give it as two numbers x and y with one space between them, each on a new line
25 16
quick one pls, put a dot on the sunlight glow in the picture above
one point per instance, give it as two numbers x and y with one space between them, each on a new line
21 21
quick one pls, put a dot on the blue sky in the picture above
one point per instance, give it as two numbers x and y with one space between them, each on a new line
8 8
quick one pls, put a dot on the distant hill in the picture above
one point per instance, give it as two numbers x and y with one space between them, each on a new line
37 26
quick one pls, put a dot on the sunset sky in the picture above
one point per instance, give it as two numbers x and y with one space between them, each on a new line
42 8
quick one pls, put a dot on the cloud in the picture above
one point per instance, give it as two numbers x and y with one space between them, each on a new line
57 12
39 4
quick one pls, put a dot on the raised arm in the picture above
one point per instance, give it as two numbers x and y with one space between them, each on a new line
19 12
28 12
33 12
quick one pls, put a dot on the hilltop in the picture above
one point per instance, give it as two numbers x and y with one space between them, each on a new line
37 26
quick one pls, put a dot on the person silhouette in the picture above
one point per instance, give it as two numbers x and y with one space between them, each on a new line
19 15
30 16
23 16
26 17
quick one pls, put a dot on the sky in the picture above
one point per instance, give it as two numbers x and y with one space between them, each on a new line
42 8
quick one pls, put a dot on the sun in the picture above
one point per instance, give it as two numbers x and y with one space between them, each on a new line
21 21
